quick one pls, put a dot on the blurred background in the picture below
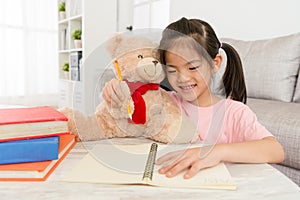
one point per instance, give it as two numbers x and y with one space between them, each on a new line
36 40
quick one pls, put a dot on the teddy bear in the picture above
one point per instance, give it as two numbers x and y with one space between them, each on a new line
147 110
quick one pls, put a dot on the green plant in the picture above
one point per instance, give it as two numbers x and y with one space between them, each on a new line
65 67
76 35
62 6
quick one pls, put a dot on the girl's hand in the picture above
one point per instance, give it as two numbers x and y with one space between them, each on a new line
193 159
112 93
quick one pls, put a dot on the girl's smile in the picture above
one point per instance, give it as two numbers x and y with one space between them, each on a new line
187 88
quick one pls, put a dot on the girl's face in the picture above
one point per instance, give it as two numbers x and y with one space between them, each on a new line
189 74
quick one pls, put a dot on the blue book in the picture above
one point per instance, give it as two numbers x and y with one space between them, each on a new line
30 150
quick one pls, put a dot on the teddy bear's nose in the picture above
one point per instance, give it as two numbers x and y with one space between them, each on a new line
155 62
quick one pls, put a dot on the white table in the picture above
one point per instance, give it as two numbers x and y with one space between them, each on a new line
255 181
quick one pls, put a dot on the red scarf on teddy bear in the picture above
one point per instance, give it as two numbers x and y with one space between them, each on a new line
137 89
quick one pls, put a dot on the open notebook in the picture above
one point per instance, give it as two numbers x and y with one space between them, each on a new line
126 164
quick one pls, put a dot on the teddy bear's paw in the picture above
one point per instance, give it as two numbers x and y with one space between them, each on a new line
65 110
71 115
119 113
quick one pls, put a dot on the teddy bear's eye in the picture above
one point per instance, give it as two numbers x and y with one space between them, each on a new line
140 56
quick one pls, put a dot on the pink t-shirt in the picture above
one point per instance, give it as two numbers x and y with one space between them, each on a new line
227 121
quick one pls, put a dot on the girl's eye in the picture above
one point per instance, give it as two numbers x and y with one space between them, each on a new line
171 71
140 56
194 68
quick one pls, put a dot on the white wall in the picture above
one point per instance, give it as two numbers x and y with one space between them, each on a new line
100 21
242 19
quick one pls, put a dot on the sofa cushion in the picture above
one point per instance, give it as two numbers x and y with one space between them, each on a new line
297 90
283 121
270 66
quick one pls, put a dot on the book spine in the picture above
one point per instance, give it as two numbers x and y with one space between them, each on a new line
32 150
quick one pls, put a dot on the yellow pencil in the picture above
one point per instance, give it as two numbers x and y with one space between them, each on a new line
118 70
120 78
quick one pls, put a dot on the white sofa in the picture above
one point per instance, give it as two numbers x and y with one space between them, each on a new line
271 68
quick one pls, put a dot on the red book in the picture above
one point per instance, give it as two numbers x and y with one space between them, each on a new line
37 171
32 122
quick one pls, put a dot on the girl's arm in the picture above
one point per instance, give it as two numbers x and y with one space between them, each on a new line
267 150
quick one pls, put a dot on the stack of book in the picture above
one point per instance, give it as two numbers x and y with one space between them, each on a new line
33 141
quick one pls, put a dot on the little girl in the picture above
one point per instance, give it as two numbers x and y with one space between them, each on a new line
190 52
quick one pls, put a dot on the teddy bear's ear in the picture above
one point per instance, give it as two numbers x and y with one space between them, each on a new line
113 43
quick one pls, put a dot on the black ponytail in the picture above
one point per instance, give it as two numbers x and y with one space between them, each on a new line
233 78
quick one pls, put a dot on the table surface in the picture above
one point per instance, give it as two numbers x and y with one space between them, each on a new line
255 181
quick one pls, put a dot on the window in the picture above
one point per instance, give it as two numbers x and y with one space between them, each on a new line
28 53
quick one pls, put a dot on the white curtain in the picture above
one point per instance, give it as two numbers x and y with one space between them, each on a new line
28 52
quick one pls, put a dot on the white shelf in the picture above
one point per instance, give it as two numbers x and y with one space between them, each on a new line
63 51
78 49
77 17
67 20
66 28
69 50
91 17
64 21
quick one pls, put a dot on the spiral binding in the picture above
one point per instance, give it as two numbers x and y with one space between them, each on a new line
148 172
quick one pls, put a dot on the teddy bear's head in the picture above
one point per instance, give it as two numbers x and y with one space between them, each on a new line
136 58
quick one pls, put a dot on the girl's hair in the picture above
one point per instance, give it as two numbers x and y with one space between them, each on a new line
203 34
